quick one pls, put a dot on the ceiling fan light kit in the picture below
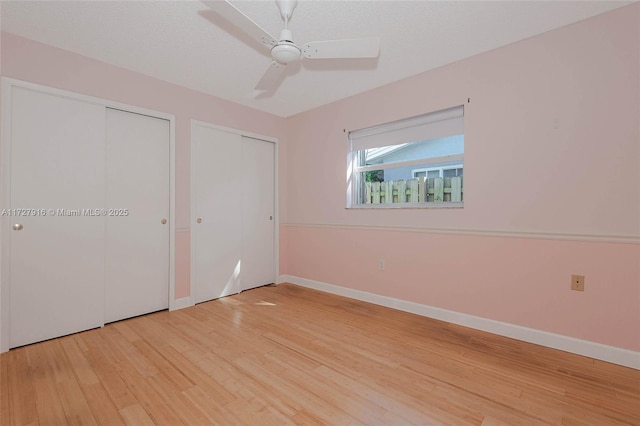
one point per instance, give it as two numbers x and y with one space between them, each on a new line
284 51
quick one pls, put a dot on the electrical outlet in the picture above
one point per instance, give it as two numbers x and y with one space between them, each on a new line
577 282
381 265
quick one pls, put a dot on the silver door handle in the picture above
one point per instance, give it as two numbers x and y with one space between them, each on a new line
18 227
163 221
199 220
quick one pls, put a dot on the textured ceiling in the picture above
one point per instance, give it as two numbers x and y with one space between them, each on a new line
183 42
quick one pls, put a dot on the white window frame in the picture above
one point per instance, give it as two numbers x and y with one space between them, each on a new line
410 126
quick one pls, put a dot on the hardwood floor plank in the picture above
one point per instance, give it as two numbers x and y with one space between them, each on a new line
303 396
188 413
163 366
18 388
4 394
105 411
103 364
330 391
76 408
249 389
78 361
125 331
128 354
284 354
128 365
134 415
207 404
48 404
199 377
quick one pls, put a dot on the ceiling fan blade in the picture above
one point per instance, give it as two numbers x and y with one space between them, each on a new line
271 77
240 20
343 49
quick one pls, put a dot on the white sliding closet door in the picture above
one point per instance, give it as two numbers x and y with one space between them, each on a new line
233 231
57 260
217 228
257 165
137 223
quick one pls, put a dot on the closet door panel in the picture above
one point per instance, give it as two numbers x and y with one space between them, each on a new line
56 260
217 222
258 174
137 221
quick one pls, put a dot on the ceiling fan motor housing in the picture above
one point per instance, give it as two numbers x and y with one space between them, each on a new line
286 52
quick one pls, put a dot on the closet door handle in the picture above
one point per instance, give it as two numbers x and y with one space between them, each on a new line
163 221
17 227
199 220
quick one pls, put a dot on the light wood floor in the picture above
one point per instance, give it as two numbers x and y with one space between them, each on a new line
290 355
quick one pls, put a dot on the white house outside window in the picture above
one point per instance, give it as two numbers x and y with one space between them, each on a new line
416 162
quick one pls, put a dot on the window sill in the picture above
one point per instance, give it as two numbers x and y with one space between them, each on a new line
431 205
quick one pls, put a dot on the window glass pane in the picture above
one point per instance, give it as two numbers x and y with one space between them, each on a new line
408 172
452 145
383 187
452 172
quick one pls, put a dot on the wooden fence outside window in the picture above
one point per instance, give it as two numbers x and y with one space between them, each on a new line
418 190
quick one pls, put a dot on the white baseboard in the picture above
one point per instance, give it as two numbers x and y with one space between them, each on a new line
594 350
182 303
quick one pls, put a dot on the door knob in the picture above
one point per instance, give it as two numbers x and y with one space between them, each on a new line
163 221
199 220
270 217
17 227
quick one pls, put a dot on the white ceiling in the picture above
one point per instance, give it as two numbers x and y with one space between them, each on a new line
183 42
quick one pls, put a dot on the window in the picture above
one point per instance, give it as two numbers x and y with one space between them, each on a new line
432 172
416 162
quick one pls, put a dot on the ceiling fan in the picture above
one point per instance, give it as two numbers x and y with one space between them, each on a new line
283 50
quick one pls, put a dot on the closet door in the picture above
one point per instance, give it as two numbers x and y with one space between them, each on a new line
137 221
56 260
258 229
216 227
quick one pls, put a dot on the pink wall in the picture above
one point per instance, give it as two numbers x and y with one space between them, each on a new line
183 263
552 152
27 60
